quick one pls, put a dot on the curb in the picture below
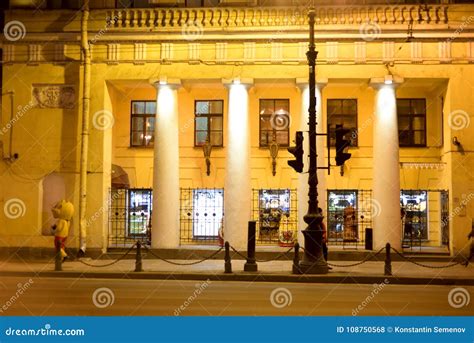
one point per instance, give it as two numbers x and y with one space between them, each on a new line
249 277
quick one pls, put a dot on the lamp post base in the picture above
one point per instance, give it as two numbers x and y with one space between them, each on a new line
313 260
318 267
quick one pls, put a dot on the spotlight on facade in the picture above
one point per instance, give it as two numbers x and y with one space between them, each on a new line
163 81
236 81
388 79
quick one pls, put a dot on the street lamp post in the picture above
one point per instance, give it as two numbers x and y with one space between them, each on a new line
313 261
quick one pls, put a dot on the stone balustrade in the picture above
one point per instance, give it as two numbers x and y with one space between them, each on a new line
156 18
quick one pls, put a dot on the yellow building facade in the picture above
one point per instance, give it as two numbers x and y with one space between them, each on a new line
156 72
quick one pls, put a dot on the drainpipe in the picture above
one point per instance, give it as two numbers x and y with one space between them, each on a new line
86 55
10 158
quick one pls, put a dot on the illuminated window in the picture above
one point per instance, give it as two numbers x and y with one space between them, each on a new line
274 122
276 216
411 122
142 128
342 215
139 212
201 215
208 212
208 122
414 213
342 112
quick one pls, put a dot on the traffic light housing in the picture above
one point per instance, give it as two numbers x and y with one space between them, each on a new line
297 151
341 145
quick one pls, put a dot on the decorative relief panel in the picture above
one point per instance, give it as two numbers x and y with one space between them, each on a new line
444 49
139 53
388 52
332 53
54 96
416 52
360 52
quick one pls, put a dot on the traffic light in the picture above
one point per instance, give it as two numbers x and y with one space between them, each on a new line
297 151
341 145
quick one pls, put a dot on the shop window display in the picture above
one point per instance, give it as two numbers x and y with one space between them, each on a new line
274 211
414 213
139 218
208 212
342 216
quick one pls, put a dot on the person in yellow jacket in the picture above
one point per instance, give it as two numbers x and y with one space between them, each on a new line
63 212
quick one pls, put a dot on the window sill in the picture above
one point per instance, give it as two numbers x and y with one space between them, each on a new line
213 147
414 147
280 147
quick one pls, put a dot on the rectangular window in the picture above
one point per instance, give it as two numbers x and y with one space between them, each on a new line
142 127
274 122
208 212
139 212
208 122
342 215
414 208
411 122
342 112
201 215
275 211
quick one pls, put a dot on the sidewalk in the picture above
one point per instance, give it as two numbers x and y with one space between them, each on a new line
274 271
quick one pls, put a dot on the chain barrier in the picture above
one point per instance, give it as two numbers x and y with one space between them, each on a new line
278 257
238 253
262 261
424 265
111 263
182 264
366 259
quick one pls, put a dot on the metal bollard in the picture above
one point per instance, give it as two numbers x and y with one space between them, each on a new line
251 264
138 258
296 260
388 260
58 262
228 263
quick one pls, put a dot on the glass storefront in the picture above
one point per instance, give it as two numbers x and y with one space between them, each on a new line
342 216
208 212
201 215
414 215
276 216
139 219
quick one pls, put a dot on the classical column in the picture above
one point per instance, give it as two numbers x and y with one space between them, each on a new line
165 216
386 166
302 196
237 188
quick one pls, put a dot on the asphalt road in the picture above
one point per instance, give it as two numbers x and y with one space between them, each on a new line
57 296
